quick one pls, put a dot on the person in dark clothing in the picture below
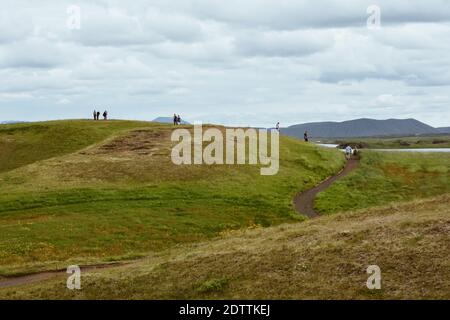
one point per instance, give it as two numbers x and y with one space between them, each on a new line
95 115
179 119
105 115
175 119
305 136
98 115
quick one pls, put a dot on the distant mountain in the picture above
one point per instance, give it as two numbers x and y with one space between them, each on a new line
11 122
444 129
360 128
168 120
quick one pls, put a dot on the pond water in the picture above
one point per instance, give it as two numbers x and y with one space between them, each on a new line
329 145
415 150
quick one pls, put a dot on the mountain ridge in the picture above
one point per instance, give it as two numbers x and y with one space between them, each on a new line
444 129
362 127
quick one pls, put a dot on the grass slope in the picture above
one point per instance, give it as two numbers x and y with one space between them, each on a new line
388 177
122 198
25 143
324 258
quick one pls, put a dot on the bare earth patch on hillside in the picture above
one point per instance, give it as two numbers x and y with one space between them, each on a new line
138 155
138 142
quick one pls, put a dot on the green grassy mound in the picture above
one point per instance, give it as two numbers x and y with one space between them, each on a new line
76 192
25 143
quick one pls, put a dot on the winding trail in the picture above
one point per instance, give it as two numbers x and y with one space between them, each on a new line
304 201
14 281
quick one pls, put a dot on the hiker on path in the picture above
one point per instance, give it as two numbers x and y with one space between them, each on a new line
98 115
348 152
179 119
95 115
175 119
305 136
278 127
105 115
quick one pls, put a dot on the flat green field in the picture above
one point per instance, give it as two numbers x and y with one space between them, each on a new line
385 177
441 141
91 192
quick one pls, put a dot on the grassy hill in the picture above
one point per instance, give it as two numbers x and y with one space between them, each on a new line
25 143
84 192
87 192
323 258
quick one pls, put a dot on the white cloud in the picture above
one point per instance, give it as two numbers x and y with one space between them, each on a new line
63 101
33 53
283 43
233 62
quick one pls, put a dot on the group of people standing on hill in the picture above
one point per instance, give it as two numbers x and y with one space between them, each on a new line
97 115
176 119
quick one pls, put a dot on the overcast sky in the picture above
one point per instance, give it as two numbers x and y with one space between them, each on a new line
235 62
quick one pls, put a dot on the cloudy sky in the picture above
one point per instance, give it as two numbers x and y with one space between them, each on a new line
236 62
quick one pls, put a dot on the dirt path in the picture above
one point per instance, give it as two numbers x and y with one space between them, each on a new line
304 201
14 281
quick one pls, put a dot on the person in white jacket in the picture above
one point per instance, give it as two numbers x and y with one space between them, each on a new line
348 152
